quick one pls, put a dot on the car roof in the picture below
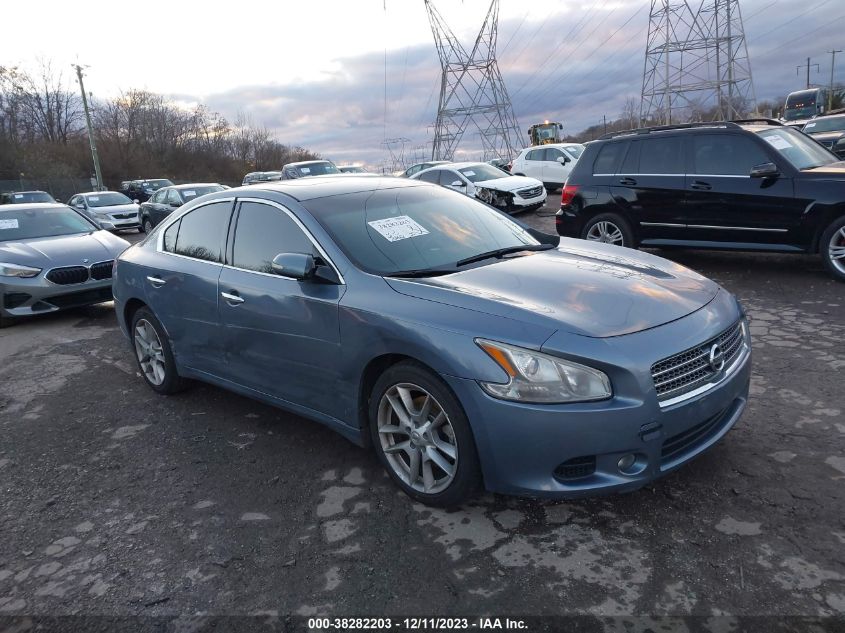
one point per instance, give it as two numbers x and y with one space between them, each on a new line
33 191
307 162
465 164
567 144
322 187
33 206
193 184
96 193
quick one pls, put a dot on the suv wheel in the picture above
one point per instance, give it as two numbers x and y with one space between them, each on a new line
832 247
610 229
422 436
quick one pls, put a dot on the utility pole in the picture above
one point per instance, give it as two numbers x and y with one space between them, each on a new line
93 144
830 92
604 117
807 66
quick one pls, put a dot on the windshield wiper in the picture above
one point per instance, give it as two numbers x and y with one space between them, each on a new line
422 272
500 252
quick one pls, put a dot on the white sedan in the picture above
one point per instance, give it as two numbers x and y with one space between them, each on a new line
111 209
489 184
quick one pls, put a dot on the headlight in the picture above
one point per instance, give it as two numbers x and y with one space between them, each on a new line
15 270
536 377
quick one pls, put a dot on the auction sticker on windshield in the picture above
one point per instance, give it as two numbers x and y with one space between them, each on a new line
399 228
189 194
778 142
9 224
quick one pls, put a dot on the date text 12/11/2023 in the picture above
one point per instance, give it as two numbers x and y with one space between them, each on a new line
416 624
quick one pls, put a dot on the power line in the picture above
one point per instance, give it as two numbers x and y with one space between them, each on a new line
802 36
790 21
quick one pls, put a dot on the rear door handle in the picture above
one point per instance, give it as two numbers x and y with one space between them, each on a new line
157 282
232 299
700 186
628 182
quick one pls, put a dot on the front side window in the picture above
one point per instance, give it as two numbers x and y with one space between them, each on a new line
24 224
432 175
263 231
725 155
800 150
159 196
388 231
173 198
661 156
412 170
202 232
448 178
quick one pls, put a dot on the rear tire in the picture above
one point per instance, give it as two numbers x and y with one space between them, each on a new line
609 228
146 225
153 353
422 436
832 248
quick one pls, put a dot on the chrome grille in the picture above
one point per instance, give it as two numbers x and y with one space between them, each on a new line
124 216
533 192
68 275
689 369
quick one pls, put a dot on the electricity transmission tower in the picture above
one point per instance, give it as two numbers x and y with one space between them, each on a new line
696 62
396 148
472 89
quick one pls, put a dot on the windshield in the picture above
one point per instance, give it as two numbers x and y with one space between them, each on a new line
27 224
317 169
107 199
481 172
800 106
574 150
195 192
155 185
800 150
546 131
414 228
833 124
30 196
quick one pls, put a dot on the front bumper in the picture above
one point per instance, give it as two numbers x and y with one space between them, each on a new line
571 451
26 297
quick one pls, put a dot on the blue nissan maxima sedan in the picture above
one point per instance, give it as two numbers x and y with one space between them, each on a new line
465 348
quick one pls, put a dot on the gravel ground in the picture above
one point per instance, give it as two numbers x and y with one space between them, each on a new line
118 502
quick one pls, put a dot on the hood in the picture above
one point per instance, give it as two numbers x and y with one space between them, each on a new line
827 136
592 290
65 250
834 171
114 208
509 183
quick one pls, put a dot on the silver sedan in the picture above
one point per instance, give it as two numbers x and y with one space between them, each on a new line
51 258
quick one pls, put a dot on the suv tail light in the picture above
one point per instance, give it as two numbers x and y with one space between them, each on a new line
568 194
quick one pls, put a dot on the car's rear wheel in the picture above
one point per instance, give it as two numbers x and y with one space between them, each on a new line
610 229
832 247
153 353
422 436
146 225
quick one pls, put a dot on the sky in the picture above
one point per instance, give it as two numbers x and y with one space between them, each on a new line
315 73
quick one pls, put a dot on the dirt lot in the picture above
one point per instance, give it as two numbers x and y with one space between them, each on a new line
115 501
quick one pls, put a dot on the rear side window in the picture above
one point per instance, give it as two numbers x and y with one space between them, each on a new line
535 154
432 175
263 232
661 156
609 157
725 154
447 177
203 232
170 234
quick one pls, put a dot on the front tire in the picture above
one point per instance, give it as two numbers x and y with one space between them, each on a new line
153 353
422 436
832 248
146 225
609 228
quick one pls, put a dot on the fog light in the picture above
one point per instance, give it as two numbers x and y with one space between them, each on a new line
627 462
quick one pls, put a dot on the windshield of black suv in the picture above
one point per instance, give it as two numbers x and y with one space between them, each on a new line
317 169
388 231
106 199
800 150
23 197
481 172
27 224
832 124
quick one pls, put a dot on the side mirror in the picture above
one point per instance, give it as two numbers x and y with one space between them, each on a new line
458 183
562 159
106 226
136 201
79 206
175 205
296 265
764 170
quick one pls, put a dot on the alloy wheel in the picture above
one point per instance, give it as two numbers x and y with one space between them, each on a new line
606 232
417 438
836 250
148 226
149 351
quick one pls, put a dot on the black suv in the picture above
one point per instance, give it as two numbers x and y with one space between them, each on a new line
745 185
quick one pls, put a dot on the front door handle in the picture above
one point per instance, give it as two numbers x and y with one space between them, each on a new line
232 299
700 186
157 282
627 182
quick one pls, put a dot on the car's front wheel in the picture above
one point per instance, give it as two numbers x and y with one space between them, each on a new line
422 436
153 353
832 247
146 225
610 229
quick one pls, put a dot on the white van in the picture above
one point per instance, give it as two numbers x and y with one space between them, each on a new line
550 164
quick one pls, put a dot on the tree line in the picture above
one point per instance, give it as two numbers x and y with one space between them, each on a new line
139 134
